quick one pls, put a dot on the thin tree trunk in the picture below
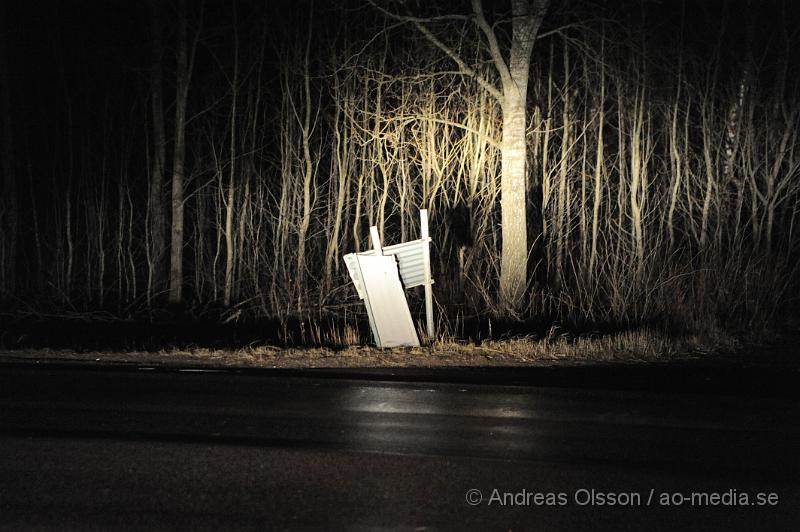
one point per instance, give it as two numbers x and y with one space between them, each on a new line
562 219
185 60
340 161
598 168
230 195
8 201
677 168
305 219
709 185
37 240
156 203
638 187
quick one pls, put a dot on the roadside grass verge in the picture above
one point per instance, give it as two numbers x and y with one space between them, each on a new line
636 346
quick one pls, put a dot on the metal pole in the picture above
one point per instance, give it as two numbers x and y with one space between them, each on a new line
376 240
426 257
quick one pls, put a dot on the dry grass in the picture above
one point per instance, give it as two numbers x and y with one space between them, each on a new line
626 347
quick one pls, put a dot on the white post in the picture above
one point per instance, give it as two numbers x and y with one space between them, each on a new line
426 257
376 240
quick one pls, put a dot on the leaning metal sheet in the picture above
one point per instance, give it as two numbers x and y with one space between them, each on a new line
386 302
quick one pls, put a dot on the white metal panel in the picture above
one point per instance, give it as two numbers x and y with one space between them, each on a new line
376 275
386 302
351 262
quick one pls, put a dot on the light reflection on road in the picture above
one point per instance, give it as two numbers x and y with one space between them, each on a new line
425 420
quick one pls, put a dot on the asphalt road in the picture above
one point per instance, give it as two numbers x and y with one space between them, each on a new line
129 448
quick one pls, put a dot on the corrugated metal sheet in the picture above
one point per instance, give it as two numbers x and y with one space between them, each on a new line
410 261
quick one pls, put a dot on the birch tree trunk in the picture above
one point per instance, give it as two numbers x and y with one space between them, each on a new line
514 258
514 255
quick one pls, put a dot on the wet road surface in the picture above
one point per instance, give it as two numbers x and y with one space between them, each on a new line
147 448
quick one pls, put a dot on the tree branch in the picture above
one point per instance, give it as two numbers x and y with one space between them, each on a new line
465 69
491 39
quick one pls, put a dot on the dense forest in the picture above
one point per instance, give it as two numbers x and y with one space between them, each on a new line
221 157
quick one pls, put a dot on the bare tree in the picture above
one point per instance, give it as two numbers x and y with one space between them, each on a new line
512 68
308 173
8 203
185 61
156 206
230 196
